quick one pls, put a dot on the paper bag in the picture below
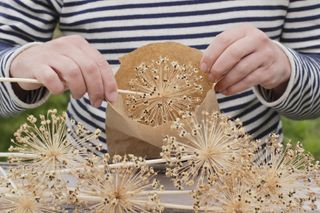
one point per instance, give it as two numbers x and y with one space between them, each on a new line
127 136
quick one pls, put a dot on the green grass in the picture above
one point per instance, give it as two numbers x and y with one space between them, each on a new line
9 125
307 132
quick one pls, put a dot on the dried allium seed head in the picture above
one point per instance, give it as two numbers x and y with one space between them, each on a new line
27 195
25 201
212 145
284 174
171 90
231 194
46 139
121 188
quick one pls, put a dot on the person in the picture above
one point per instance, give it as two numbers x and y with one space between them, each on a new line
264 55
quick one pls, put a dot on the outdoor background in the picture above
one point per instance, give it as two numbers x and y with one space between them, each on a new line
308 132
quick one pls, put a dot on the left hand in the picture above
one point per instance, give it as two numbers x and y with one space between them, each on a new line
244 56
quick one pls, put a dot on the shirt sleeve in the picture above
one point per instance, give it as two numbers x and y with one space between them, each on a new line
300 41
23 23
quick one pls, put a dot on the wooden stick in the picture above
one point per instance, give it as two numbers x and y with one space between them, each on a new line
177 206
17 155
111 166
166 192
127 164
95 198
34 81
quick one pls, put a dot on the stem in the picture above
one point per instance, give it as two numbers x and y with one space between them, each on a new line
148 192
35 81
19 80
89 198
128 164
17 155
111 166
129 92
93 198
177 206
166 192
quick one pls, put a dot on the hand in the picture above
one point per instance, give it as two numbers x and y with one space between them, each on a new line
67 63
242 57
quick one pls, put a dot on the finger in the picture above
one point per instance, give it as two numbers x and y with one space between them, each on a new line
218 45
89 71
232 55
249 81
50 79
109 82
70 72
246 66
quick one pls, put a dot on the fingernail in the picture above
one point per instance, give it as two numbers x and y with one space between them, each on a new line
97 103
203 67
113 96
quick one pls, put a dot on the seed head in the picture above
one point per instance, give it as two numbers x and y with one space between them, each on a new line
207 147
122 188
27 195
170 90
284 175
46 139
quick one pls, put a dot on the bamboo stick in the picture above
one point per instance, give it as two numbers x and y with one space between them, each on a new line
94 198
17 155
127 164
34 81
111 166
177 206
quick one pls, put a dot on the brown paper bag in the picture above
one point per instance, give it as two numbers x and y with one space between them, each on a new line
127 136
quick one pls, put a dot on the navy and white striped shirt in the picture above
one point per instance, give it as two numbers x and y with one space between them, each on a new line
116 27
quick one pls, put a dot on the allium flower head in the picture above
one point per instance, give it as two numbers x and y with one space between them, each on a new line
26 195
207 147
122 188
232 194
46 140
283 177
171 89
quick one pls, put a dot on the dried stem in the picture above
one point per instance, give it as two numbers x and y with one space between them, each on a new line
35 81
165 205
129 164
17 155
158 192
181 207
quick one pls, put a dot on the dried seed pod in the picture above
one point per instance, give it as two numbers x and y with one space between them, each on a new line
208 147
231 194
121 188
26 194
46 140
284 177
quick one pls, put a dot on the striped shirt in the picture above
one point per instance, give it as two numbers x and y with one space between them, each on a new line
116 27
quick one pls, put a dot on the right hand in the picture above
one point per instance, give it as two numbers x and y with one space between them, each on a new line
67 63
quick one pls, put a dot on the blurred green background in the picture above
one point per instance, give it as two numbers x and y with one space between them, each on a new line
307 132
